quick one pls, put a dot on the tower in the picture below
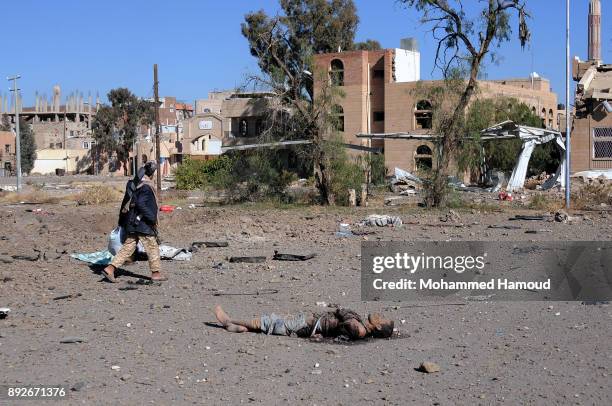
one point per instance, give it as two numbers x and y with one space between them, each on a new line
595 30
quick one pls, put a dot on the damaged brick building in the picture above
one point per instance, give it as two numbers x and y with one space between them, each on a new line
591 137
382 104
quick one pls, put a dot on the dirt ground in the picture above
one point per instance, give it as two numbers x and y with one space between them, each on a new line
167 351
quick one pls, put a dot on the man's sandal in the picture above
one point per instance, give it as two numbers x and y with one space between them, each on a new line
109 277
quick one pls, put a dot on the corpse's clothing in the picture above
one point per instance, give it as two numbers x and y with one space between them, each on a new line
328 324
285 325
335 323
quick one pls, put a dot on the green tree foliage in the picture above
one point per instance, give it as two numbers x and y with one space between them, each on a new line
465 36
5 124
116 125
244 175
347 173
367 45
28 146
284 45
195 174
502 155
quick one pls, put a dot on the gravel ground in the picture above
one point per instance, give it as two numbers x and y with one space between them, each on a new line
168 350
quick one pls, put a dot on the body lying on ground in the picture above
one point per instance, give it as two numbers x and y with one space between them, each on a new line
336 323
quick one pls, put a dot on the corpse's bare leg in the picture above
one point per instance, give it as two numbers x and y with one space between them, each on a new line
236 326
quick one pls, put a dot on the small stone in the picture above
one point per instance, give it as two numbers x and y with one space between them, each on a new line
316 365
558 314
78 386
316 372
126 377
115 367
429 367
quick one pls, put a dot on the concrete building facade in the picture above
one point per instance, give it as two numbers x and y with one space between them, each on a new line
591 133
57 125
225 119
7 153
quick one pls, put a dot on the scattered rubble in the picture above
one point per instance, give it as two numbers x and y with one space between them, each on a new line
73 340
527 218
381 221
429 367
451 217
248 260
292 257
210 244
562 217
344 230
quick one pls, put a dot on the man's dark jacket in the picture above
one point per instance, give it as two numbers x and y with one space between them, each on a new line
142 217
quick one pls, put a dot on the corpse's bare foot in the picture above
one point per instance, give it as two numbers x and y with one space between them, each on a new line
225 320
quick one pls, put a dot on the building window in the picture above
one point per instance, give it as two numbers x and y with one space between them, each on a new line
379 116
85 145
243 128
423 115
336 73
259 127
58 145
423 158
602 143
7 148
206 110
338 118
378 74
71 133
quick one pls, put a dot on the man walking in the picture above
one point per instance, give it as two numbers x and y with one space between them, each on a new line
140 225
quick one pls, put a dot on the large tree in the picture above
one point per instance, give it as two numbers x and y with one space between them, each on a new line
367 45
464 39
116 125
284 46
27 145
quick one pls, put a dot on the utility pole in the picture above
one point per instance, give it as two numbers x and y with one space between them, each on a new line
567 107
157 149
15 91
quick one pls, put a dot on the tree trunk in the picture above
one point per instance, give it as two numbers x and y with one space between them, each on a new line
452 132
323 177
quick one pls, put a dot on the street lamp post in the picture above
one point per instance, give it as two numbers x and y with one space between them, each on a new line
567 108
15 91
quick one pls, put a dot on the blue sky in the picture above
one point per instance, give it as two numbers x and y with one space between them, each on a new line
97 46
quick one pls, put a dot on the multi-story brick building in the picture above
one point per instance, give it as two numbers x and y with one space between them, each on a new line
384 99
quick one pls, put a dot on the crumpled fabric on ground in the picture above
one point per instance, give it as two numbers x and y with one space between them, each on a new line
105 257
381 220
